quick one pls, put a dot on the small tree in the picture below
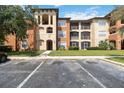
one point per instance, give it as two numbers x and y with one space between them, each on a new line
104 44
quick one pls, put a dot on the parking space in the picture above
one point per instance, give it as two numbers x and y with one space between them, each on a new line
12 73
38 73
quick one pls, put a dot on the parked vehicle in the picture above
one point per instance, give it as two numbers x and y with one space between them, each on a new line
3 56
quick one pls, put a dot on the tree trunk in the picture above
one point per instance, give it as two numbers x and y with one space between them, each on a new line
17 44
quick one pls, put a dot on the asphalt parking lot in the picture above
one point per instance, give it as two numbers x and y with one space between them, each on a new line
37 73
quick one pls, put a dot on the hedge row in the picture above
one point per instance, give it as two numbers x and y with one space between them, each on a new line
95 48
5 48
73 48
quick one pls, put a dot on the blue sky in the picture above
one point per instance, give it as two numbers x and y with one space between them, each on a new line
81 11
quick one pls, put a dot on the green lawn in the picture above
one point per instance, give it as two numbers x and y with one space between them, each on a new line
87 53
117 59
25 53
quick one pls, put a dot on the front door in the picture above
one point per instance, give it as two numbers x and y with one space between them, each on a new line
49 45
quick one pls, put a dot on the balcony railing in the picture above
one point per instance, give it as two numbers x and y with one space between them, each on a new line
74 27
85 37
74 37
85 27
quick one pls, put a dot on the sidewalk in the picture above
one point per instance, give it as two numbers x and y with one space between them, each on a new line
44 56
44 53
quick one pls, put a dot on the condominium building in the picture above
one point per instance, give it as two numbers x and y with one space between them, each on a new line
115 37
88 33
53 32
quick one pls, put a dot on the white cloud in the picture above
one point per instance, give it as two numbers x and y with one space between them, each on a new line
94 7
83 15
57 5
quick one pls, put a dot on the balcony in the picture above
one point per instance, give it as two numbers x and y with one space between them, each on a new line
74 27
74 37
85 27
85 35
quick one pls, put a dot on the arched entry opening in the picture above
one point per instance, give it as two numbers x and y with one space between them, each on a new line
49 45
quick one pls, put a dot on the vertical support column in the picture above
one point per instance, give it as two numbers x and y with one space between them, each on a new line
49 19
79 24
40 19
79 35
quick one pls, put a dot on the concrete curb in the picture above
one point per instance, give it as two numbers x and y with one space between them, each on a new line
113 62
63 57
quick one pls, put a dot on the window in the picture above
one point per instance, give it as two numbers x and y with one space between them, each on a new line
102 33
61 34
61 23
102 23
45 19
49 30
24 44
38 19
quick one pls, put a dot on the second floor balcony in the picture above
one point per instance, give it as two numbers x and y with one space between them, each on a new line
85 35
74 35
85 27
74 27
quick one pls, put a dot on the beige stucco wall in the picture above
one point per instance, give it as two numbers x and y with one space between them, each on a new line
43 35
95 31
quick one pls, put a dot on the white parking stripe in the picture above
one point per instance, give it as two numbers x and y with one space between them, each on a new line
102 85
29 76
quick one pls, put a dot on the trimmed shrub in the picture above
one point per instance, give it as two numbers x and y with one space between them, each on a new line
5 48
61 48
104 44
95 48
73 48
